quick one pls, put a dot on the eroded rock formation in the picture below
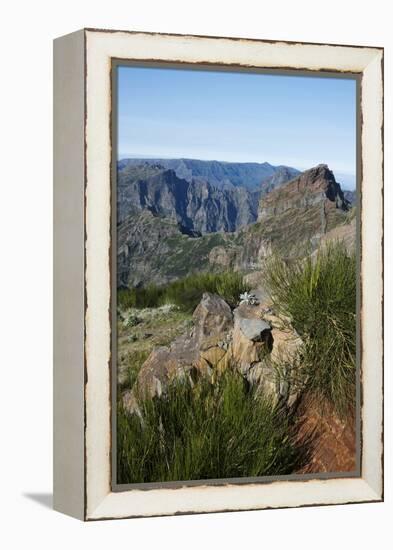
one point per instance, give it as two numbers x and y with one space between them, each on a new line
293 219
220 339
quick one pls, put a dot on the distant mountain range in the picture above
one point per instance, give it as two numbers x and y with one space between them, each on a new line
250 175
201 196
170 227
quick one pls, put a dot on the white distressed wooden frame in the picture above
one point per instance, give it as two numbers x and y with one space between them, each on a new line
82 398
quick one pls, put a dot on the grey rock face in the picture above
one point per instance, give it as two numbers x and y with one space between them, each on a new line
282 175
196 205
212 315
201 196
254 329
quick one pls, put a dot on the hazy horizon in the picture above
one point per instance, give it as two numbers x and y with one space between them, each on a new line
347 180
296 121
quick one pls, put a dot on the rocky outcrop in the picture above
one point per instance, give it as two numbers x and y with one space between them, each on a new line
195 353
252 343
312 187
242 340
265 349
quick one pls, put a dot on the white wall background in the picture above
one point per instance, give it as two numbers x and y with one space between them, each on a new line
28 28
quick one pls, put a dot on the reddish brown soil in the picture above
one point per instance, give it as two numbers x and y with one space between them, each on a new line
332 441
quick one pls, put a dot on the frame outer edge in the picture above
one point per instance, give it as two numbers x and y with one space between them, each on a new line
373 239
103 509
68 272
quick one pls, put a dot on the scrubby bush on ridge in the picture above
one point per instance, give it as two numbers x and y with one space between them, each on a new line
318 294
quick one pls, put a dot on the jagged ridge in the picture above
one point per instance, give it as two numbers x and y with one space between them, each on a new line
196 205
292 219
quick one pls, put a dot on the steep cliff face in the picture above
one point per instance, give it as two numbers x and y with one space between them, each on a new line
350 195
297 215
293 220
312 187
195 205
152 249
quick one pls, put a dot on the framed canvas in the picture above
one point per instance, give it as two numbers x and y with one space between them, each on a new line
218 270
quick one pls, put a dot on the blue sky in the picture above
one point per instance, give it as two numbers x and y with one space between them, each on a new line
240 117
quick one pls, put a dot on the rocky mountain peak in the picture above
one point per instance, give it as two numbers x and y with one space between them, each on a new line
312 187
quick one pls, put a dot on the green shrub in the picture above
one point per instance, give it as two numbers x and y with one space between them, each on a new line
185 293
207 431
141 297
126 298
318 294
229 286
149 296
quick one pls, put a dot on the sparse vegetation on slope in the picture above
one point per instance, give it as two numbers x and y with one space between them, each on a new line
205 431
139 331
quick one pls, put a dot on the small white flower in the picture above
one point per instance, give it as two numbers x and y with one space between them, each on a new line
249 299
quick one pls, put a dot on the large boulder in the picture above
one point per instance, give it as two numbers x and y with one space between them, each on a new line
252 342
212 317
198 352
265 348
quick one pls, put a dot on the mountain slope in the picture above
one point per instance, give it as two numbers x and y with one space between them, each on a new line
292 220
195 205
152 249
282 175
312 187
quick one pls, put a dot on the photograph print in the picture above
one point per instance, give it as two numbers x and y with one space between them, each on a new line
236 275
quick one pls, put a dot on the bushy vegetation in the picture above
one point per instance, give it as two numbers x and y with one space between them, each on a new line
141 297
205 431
185 293
318 294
